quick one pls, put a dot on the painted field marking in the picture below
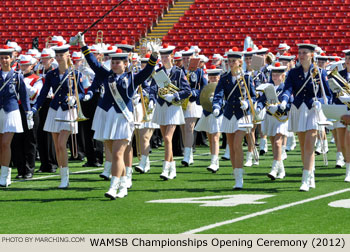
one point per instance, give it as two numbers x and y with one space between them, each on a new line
340 203
219 224
219 201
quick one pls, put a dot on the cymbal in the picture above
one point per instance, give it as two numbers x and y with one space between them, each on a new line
204 98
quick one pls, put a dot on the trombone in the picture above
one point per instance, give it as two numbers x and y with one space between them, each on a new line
318 81
99 38
244 91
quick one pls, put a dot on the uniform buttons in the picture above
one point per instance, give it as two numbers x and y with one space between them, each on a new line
112 103
233 106
59 102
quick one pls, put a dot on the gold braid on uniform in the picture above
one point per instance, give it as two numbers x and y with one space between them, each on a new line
86 52
151 62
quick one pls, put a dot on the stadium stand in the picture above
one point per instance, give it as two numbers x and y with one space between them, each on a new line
216 26
33 18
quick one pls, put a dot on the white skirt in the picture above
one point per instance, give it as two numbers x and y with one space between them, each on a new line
193 110
111 125
210 124
272 127
10 122
303 119
231 126
149 124
168 115
51 125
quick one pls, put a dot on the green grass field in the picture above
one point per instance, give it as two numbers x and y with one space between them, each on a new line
37 206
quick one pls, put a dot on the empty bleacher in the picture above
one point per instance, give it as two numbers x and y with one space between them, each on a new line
216 26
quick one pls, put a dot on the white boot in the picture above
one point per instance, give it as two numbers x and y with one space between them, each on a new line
141 166
256 162
148 165
318 149
226 156
263 146
112 192
106 174
281 172
172 170
273 173
187 154
238 172
291 143
325 142
128 177
312 183
249 159
5 177
347 174
305 181
339 162
191 156
284 153
165 173
64 172
214 164
123 187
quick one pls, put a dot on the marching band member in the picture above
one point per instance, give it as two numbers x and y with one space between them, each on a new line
193 111
275 126
235 110
178 60
12 87
61 107
166 114
15 54
46 147
282 49
147 128
290 143
343 135
24 144
113 120
306 108
256 79
93 102
211 124
322 62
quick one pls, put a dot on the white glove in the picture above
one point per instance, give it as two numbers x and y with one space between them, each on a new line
344 98
272 108
151 105
136 99
244 105
71 101
87 97
283 105
211 98
79 38
30 121
169 97
216 112
317 105
155 49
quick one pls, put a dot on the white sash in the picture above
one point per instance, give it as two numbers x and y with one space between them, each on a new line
119 101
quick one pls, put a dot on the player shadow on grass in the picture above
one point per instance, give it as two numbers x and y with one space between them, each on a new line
50 200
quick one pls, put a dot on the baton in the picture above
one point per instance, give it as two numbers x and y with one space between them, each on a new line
74 40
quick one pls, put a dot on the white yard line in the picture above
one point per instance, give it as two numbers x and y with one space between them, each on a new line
91 170
219 224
